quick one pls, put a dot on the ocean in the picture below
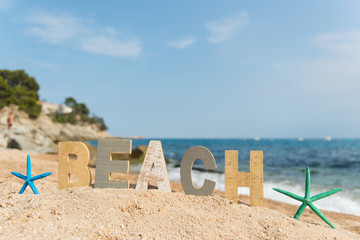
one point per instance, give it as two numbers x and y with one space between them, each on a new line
333 164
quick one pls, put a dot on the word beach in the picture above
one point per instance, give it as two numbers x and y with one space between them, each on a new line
154 169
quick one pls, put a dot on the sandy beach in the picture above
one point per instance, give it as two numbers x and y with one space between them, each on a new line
253 101
90 213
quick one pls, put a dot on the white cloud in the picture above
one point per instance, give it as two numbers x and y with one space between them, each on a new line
82 34
112 46
182 43
54 29
335 76
343 43
338 74
226 28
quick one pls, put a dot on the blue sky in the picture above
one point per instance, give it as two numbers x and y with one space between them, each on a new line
194 69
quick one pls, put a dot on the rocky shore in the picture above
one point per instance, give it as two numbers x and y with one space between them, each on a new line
41 135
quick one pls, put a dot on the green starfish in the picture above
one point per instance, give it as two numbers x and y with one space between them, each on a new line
307 200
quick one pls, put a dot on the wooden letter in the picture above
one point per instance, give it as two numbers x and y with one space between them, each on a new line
253 179
187 162
105 165
154 156
78 166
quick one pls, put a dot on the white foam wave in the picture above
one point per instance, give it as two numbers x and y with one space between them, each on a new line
340 202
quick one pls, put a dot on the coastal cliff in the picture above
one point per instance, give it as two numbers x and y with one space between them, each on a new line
41 135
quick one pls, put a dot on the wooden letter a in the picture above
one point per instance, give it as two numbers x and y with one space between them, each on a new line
253 179
154 156
78 166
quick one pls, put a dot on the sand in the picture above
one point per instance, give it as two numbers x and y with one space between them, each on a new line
88 213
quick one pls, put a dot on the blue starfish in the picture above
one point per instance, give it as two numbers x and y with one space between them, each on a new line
28 179
307 200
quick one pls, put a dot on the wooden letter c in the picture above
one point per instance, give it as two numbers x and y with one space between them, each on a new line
187 162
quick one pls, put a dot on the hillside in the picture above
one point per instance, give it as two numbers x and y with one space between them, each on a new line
42 134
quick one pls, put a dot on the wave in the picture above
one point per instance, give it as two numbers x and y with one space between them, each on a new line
342 202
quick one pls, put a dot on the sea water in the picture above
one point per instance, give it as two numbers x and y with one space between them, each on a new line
333 164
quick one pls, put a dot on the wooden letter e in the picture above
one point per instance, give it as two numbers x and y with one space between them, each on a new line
105 165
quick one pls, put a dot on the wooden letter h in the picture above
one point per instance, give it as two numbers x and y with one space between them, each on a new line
253 179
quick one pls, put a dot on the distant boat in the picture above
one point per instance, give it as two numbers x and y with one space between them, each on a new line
256 138
300 139
328 139
137 137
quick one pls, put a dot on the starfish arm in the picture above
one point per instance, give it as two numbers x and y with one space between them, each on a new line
19 175
325 194
40 176
32 185
307 183
289 194
28 166
23 188
322 216
300 210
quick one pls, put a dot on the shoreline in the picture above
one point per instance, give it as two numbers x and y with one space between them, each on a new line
15 160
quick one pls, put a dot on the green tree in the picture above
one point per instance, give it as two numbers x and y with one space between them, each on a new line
61 118
99 121
103 126
6 93
71 118
80 109
71 102
22 90
84 112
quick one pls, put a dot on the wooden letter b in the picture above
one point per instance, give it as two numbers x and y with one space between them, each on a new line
79 167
